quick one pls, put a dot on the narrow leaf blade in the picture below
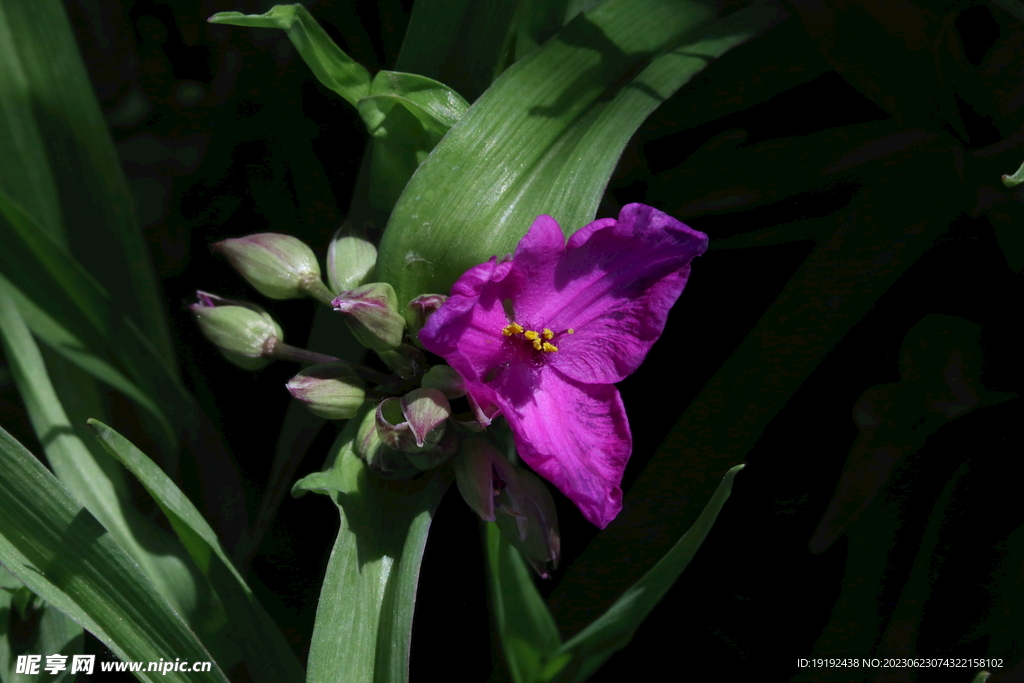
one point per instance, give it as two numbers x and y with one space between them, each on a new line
58 549
269 656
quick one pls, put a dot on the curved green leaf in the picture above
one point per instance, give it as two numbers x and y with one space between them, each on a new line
364 619
547 134
527 630
613 630
60 551
332 67
93 478
267 653
48 99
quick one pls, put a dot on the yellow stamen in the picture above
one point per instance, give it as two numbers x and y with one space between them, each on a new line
537 345
548 334
571 331
531 335
512 328
548 346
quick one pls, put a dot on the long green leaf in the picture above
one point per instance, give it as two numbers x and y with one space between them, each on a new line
406 114
36 262
60 551
613 630
364 619
332 67
459 42
527 630
62 340
546 136
96 206
93 477
267 653
31 180
56 634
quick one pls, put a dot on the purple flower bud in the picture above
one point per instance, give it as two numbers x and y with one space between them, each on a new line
419 311
278 266
513 497
531 522
378 456
371 312
414 423
330 390
245 333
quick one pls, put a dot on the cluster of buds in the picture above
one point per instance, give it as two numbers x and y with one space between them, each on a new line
411 428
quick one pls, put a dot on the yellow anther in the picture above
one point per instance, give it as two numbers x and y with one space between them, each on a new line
548 334
537 345
548 347
571 331
531 335
512 328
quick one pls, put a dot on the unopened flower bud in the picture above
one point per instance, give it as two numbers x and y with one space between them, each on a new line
278 266
530 522
414 423
330 390
481 473
371 312
245 333
351 261
420 309
446 379
381 459
426 410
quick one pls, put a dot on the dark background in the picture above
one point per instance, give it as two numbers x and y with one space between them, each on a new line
224 132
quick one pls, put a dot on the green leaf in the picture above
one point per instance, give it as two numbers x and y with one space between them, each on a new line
527 630
459 42
613 630
1016 179
62 340
74 189
60 551
436 106
37 263
364 618
93 477
267 654
407 115
545 138
332 67
55 633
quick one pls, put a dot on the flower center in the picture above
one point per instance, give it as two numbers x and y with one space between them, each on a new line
540 341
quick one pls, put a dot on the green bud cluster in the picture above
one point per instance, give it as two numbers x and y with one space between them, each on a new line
411 429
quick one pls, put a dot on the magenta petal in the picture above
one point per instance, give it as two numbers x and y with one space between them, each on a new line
576 436
466 330
614 286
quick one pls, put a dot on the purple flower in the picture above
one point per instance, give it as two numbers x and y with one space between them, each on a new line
543 337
